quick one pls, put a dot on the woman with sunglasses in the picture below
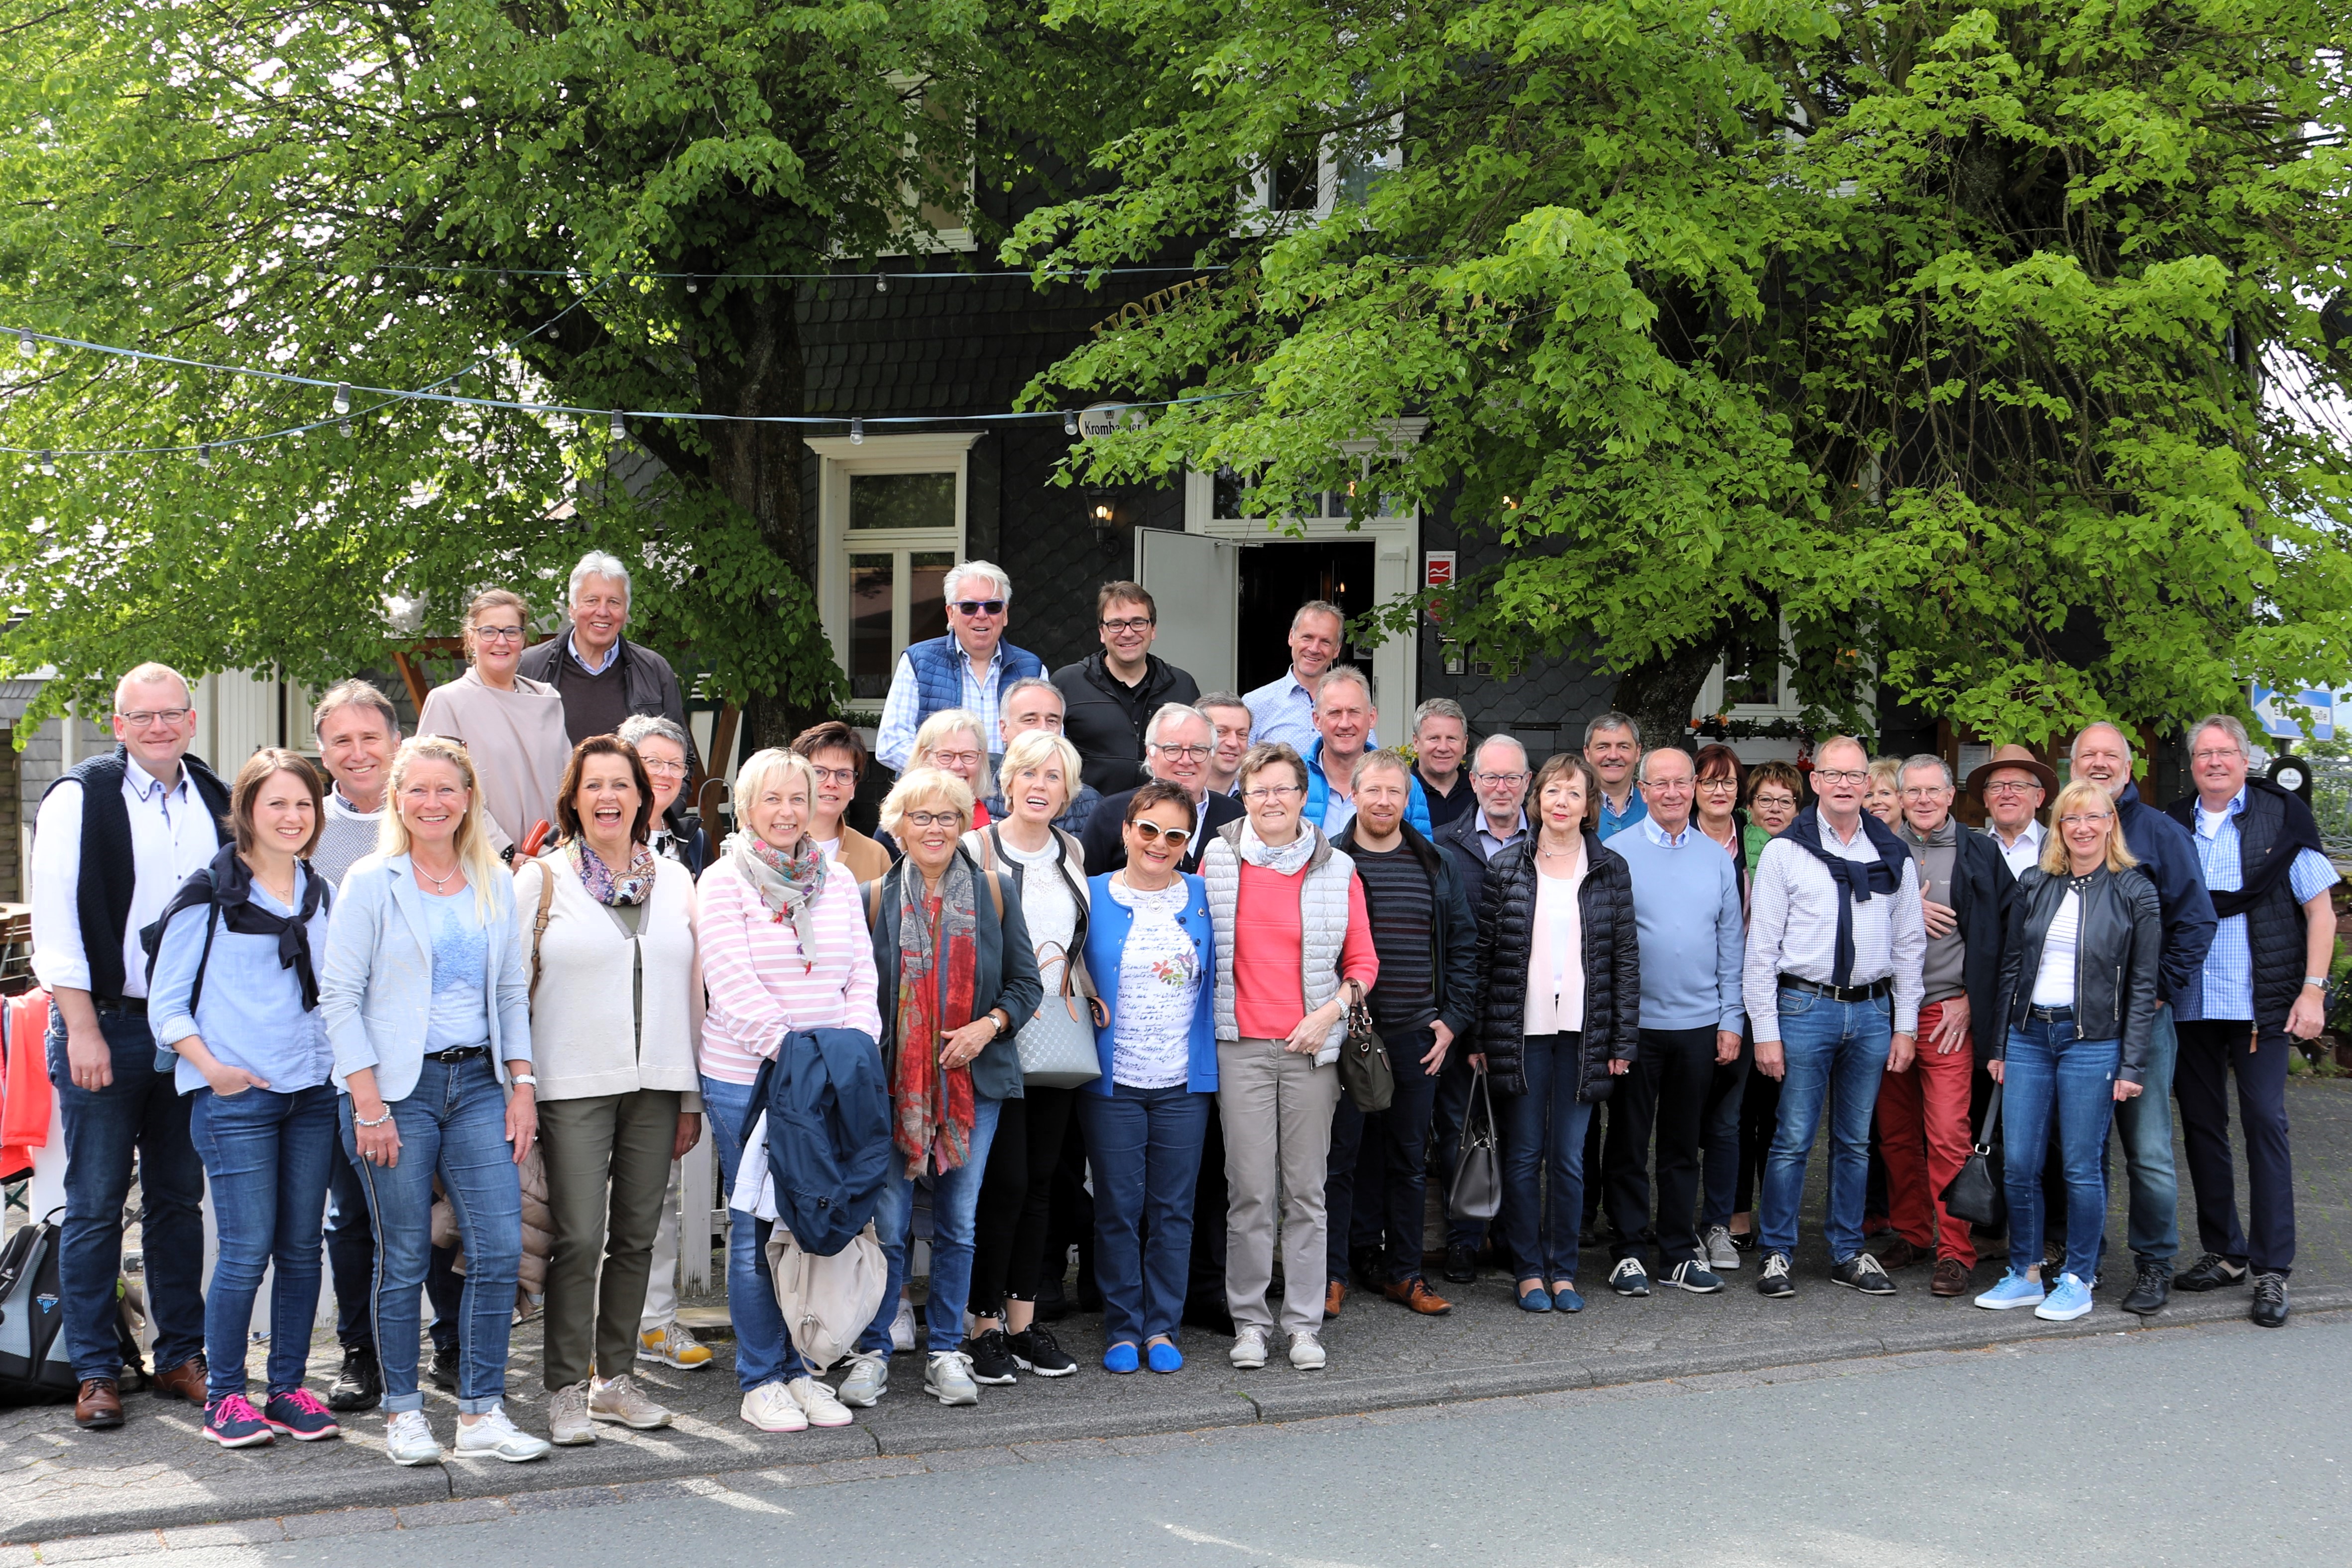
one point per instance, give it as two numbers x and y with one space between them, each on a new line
1008 1262
1147 1115
510 725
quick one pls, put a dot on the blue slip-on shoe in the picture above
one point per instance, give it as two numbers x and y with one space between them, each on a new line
1164 1357
1536 1300
2069 1300
2014 1290
1566 1299
1121 1357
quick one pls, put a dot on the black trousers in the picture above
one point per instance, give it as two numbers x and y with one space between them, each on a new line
1016 1194
1666 1096
2211 1053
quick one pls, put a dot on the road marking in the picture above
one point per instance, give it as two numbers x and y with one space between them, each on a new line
1259 1553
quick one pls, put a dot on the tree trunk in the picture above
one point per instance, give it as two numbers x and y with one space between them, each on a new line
1659 693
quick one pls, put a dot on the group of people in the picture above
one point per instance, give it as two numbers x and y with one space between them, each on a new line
455 1012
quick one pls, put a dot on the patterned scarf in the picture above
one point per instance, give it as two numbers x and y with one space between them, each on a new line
630 886
787 884
1283 862
932 1104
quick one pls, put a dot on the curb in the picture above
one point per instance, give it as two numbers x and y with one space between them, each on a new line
458 1493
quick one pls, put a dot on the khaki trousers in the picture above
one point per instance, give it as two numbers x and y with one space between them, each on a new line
607 1169
1276 1106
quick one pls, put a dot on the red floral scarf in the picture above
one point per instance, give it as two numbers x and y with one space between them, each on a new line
931 1106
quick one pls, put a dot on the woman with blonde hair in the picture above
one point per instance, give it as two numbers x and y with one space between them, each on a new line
2078 977
1885 801
784 948
426 996
511 726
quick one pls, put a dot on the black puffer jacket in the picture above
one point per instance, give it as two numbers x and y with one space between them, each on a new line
1612 973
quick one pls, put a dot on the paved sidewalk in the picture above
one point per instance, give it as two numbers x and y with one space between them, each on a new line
57 1481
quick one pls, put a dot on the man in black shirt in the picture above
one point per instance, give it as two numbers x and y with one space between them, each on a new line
1441 739
1111 694
1426 939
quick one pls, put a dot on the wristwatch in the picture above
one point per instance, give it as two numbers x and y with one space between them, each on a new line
1003 1023
2319 980
524 1077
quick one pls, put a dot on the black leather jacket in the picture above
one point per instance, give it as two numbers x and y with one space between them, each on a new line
2117 951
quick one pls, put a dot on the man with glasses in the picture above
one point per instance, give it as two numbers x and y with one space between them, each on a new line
1178 746
2168 857
968 668
602 676
2012 787
115 839
2263 985
1924 1130
1498 776
1835 942
1033 703
1112 692
1231 716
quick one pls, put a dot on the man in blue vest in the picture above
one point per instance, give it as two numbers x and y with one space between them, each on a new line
115 839
968 668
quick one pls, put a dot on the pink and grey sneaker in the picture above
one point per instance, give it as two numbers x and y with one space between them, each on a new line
233 1423
301 1415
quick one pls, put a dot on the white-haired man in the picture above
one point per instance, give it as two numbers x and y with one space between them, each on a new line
602 676
115 839
968 668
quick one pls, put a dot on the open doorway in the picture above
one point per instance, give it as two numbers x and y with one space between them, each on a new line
1279 576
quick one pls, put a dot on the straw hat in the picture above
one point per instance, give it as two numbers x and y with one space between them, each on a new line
2013 757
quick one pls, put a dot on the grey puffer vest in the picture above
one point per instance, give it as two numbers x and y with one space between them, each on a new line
1322 925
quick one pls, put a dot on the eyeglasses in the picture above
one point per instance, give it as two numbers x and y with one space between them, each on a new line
1712 785
977 606
934 819
498 633
2009 787
1924 792
1185 753
1265 793
2228 755
147 715
1150 833
1846 776
1498 778
835 775
1132 623
666 770
2086 820
1774 803
953 760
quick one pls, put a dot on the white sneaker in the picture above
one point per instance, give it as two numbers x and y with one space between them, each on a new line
622 1402
409 1441
1248 1352
568 1425
817 1403
772 1409
947 1378
902 1328
1720 1253
868 1378
495 1437
1305 1351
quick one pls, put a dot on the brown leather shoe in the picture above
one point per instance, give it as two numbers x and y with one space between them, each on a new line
1951 1278
99 1404
1334 1294
1902 1254
186 1381
1416 1295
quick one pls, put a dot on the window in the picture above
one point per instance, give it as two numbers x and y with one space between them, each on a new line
1230 488
1754 680
892 511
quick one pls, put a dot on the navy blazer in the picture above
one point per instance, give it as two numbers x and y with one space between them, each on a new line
1004 973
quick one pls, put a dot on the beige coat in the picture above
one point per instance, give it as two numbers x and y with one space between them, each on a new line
518 743
584 1042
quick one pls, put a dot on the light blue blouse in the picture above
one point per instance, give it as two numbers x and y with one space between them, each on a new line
250 1014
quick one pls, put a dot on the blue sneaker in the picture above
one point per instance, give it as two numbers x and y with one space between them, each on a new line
233 1423
1165 1357
1121 1357
1566 1299
2014 1291
2069 1300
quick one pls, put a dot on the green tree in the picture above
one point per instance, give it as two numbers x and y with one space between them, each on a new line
1981 343
470 195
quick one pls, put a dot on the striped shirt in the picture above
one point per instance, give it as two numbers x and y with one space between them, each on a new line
903 716
762 987
1402 909
2224 989
1792 920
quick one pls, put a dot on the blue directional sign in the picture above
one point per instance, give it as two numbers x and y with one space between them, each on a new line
2280 712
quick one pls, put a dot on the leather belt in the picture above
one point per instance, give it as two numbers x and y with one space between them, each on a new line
1841 993
458 1054
2052 1015
135 1005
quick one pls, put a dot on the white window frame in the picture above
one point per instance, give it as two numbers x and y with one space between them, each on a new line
918 242
1258 214
1785 703
838 460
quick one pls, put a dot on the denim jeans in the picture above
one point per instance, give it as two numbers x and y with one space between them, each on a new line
267 1155
141 1112
1543 1159
2048 1074
1378 1166
955 1199
1144 1145
2143 1127
763 1345
452 1124
1835 1053
351 1260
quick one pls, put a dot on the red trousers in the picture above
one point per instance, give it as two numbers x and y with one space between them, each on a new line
1923 1135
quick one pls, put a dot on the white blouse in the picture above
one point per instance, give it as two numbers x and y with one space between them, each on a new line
1556 955
2054 983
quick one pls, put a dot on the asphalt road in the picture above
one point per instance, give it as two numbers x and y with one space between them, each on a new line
2195 1446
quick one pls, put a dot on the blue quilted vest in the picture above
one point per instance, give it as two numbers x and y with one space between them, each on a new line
938 666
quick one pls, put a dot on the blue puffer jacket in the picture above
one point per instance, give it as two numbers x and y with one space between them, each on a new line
1319 793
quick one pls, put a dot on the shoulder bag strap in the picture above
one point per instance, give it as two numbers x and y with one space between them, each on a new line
538 925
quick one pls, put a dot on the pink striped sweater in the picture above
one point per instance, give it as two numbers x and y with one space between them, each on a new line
760 984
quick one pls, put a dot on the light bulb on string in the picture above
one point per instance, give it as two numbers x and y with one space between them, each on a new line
881 283
858 432
25 344
49 462
692 286
1069 422
620 428
205 455
343 397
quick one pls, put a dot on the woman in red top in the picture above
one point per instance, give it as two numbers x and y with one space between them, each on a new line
1292 942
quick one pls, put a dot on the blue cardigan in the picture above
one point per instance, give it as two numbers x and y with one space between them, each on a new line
1108 923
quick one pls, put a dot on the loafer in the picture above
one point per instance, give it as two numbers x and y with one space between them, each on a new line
1414 1295
1334 1295
1564 1298
1694 1276
1629 1278
1121 1358
2210 1273
2011 1289
2151 1289
360 1385
1162 1356
1461 1265
1862 1272
1537 1300
624 1404
1951 1278
186 1381
2269 1310
2068 1299
298 1415
98 1404
1774 1279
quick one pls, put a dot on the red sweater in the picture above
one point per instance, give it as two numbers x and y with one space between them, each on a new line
1269 993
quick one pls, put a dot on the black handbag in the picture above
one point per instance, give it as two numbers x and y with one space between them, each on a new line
1477 1190
1364 1070
1975 1194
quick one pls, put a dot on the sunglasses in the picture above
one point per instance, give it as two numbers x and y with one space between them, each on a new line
978 606
1152 832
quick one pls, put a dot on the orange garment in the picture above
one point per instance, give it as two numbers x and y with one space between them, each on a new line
25 1083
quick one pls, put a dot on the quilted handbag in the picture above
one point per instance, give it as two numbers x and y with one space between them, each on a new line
1057 1046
